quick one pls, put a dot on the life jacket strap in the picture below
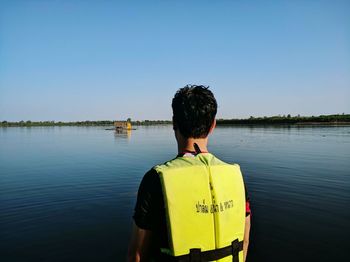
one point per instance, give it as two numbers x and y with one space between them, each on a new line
196 147
196 255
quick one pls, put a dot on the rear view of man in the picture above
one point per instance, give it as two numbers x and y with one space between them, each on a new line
193 207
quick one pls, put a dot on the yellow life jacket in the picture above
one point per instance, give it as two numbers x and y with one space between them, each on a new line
205 208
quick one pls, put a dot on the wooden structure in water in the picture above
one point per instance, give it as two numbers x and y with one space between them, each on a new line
122 125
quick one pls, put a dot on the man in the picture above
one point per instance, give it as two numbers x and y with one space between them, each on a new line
193 207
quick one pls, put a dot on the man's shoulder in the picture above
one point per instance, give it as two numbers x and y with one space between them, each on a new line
174 162
222 161
150 176
207 158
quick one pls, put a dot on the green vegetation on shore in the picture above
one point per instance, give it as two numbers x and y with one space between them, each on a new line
273 120
60 123
322 119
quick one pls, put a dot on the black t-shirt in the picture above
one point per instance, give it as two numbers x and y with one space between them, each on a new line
150 211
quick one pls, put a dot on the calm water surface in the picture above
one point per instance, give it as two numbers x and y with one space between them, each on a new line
67 193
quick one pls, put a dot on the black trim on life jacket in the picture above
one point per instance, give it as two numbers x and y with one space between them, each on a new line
196 152
186 152
196 255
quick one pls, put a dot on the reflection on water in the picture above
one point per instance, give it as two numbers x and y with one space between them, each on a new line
67 193
122 134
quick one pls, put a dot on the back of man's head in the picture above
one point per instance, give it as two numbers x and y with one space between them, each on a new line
194 110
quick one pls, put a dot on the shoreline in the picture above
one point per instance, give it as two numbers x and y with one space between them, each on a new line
328 120
280 124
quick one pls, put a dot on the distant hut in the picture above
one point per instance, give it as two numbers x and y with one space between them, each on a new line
122 125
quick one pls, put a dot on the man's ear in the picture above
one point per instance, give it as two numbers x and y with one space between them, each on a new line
213 125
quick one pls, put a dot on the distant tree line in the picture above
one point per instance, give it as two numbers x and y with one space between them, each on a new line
151 122
322 119
82 123
285 119
59 123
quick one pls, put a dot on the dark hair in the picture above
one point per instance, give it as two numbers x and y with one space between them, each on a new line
194 110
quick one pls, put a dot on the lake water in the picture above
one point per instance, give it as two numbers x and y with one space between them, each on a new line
68 193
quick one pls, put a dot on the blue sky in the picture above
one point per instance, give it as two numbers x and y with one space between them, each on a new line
78 60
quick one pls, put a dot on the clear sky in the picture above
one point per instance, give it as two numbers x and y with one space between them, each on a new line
79 60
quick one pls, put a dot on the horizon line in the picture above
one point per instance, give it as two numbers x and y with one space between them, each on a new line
169 120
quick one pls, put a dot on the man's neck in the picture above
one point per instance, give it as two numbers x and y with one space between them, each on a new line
188 144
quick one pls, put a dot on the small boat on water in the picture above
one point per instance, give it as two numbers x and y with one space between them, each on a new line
122 126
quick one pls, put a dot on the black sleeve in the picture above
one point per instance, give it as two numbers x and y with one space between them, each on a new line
149 197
